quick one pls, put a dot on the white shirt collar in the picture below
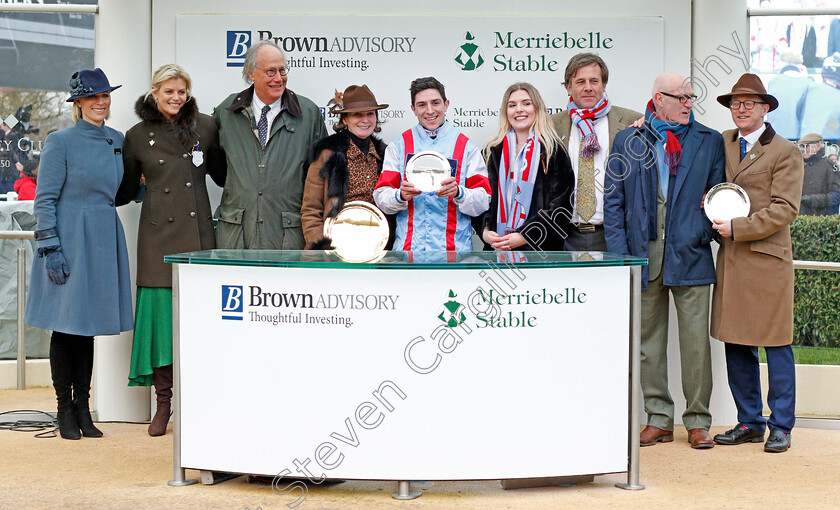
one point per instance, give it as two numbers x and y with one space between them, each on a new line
435 132
257 104
753 137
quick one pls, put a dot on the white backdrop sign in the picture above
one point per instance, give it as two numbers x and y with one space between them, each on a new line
404 375
475 57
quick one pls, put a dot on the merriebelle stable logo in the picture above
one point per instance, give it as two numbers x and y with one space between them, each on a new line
520 310
469 56
452 312
526 52
493 309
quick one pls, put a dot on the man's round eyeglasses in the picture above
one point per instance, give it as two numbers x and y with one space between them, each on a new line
681 99
272 71
749 105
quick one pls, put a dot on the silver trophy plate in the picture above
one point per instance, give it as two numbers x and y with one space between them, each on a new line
359 232
726 201
426 170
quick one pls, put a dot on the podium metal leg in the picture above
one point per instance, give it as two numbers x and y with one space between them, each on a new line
405 491
179 473
21 304
635 390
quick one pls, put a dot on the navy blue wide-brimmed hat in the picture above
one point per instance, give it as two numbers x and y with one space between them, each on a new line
89 83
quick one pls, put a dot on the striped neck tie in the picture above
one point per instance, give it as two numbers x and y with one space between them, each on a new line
262 125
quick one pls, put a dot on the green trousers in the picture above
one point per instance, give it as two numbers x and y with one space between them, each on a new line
692 305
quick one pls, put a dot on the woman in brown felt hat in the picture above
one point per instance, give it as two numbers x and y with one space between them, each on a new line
345 166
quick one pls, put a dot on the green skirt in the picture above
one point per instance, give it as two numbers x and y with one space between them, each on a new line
152 347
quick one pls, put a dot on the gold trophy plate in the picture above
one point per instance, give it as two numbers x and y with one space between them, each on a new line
359 232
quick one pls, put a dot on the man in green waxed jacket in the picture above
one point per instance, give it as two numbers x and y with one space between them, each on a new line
266 131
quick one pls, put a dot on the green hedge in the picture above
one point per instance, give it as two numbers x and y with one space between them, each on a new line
816 305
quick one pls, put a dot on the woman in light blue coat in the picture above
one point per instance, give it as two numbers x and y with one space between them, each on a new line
80 284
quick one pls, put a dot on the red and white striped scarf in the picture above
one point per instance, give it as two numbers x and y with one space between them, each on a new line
581 117
515 191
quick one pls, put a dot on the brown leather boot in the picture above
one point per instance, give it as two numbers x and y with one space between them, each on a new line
162 379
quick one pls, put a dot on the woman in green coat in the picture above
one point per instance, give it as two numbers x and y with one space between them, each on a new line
171 149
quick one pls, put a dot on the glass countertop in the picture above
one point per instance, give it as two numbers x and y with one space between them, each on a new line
405 260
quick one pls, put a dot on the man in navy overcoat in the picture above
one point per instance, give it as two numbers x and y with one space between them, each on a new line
656 179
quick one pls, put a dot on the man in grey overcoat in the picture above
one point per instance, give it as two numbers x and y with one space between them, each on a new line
266 131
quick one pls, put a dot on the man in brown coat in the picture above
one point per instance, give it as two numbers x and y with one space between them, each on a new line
589 125
752 303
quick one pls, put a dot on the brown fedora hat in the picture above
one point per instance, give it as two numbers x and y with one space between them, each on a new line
354 99
749 84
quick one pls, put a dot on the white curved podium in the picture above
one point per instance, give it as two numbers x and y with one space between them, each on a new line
422 366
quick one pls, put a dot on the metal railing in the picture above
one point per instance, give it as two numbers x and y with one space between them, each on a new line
793 11
21 236
824 266
42 8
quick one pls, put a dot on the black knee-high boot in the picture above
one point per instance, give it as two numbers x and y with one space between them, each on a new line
61 367
82 371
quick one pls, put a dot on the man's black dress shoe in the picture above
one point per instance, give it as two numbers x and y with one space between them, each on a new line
778 442
740 434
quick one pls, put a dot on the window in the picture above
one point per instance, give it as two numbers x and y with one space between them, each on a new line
39 51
